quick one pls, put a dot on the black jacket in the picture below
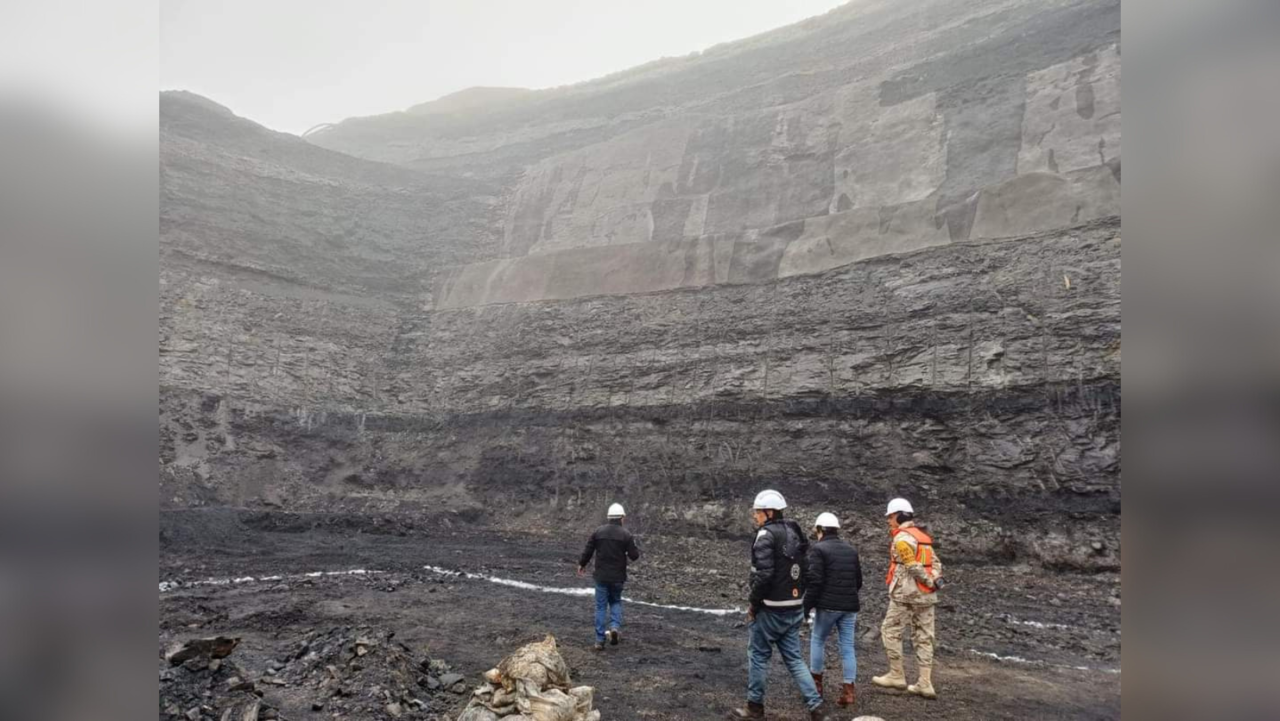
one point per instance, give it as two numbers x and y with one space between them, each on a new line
612 545
834 577
777 566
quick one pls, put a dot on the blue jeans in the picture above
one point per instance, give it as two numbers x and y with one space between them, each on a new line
781 629
843 622
608 603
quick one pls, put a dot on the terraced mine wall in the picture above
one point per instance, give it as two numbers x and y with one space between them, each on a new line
981 380
876 253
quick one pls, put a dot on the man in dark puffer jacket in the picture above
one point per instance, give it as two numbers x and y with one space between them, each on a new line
833 580
775 611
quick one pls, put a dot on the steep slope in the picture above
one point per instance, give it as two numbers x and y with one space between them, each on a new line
875 253
470 101
277 255
929 44
234 192
878 128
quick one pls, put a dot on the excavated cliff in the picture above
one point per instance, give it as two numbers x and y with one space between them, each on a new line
874 253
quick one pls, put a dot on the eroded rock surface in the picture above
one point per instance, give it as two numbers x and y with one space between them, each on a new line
875 253
877 129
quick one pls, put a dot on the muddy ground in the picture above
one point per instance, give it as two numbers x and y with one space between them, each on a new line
1014 642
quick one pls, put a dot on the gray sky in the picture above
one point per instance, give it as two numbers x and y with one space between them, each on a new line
290 64
93 60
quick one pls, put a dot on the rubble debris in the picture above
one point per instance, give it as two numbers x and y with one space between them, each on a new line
531 684
200 682
351 672
362 672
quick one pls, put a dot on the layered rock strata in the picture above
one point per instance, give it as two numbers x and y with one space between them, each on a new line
875 253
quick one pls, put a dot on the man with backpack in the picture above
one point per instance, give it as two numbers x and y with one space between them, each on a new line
834 580
775 612
915 575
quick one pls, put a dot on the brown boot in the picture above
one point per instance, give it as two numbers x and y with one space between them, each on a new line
817 681
819 713
848 695
752 710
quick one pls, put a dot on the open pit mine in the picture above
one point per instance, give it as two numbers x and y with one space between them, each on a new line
407 361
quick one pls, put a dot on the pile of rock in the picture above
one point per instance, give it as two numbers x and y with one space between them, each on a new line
363 672
531 684
200 682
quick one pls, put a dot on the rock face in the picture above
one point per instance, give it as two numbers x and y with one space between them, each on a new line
876 253
874 130
238 198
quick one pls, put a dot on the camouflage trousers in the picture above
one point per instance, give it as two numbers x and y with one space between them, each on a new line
896 620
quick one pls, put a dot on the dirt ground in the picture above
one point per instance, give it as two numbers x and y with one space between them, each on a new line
1014 642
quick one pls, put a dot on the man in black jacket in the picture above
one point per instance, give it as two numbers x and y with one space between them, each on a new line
834 580
612 545
775 613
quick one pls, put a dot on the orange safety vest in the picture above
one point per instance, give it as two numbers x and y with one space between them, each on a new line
924 555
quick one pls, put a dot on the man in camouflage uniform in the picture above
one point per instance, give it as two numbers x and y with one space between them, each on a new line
914 578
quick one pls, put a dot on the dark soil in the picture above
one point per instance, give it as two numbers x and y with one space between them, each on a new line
672 664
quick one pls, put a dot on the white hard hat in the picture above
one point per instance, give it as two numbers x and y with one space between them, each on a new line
827 520
616 511
898 505
769 501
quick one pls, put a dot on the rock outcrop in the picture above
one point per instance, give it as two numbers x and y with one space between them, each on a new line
239 200
875 253
874 130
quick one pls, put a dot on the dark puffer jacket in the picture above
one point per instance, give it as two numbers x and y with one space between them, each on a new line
834 576
612 545
777 566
